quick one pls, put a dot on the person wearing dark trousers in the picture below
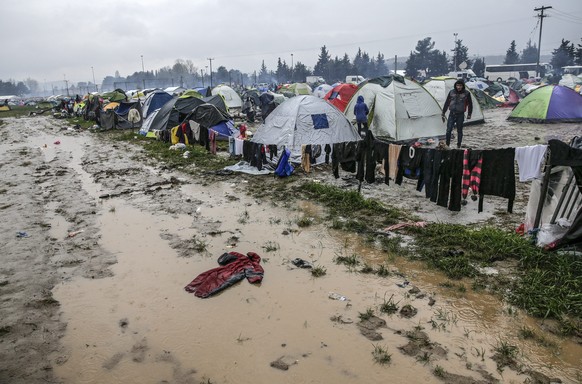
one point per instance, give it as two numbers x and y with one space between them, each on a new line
458 102
361 111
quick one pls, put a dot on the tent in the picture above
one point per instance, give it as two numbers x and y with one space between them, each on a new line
322 90
341 94
155 100
440 87
571 81
116 95
295 89
305 120
549 104
172 113
231 98
400 109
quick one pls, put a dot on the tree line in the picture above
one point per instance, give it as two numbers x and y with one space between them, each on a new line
424 61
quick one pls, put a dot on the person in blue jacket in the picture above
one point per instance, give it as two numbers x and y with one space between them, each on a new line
361 111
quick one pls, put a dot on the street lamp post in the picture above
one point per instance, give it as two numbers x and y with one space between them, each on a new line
210 59
93 71
455 51
292 68
143 70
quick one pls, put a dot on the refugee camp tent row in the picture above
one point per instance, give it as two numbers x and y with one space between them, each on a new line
440 87
400 109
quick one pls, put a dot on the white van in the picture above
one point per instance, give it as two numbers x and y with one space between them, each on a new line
354 79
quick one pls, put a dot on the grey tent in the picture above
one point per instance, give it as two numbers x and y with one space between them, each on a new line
306 120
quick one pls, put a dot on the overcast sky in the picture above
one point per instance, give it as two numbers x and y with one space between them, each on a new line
50 41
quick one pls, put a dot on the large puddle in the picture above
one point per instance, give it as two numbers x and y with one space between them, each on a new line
140 324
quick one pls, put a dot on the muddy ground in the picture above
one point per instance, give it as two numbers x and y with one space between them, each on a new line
99 241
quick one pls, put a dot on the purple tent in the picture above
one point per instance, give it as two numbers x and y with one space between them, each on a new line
549 104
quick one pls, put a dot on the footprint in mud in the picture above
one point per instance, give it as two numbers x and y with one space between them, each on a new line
138 351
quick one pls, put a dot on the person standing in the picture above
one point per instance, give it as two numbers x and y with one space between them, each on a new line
458 101
361 111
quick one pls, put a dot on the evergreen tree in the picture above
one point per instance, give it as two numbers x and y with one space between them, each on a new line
263 74
426 61
578 55
479 67
461 54
511 56
563 55
322 66
529 54
222 75
283 73
381 68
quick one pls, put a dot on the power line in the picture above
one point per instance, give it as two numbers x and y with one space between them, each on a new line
567 15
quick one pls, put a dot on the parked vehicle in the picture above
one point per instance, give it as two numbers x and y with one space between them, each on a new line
314 80
354 79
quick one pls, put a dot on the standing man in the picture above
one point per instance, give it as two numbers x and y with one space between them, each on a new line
361 111
458 101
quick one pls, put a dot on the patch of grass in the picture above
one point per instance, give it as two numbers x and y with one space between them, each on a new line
424 358
199 244
506 350
389 306
381 355
318 271
351 261
439 371
367 268
271 246
383 271
304 222
244 217
526 333
366 315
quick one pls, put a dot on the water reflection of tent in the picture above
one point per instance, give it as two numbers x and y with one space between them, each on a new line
549 104
440 87
400 109
340 95
306 120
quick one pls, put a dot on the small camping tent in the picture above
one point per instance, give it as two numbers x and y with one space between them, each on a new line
341 94
295 89
549 104
440 87
155 100
322 90
231 98
305 120
400 109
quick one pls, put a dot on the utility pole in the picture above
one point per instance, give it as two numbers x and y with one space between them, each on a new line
202 75
210 59
66 84
541 16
